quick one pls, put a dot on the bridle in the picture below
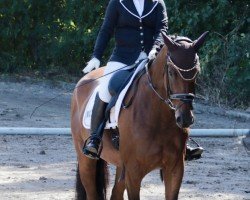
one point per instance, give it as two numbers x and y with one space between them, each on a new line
184 98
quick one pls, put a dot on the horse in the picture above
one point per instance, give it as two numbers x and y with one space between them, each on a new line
153 130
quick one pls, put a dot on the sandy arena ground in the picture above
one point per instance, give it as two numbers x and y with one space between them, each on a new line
43 167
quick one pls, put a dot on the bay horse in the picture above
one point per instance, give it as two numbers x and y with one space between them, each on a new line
153 131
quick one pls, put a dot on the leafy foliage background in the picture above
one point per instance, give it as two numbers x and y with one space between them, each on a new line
58 36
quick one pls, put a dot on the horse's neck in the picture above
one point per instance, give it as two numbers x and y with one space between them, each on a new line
151 108
158 77
157 71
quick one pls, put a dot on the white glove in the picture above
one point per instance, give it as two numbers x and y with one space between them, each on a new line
152 54
93 63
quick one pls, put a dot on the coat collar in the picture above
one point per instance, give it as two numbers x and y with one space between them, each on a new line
149 6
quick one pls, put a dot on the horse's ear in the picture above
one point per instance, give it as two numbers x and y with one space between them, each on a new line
172 45
199 42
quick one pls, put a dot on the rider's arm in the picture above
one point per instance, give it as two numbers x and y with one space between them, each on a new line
161 24
107 29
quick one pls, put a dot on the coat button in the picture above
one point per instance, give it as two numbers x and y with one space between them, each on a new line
141 41
141 33
140 27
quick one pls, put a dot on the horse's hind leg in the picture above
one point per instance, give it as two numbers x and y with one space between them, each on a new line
172 180
119 187
87 170
93 176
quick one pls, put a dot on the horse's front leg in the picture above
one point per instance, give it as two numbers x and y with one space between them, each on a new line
133 178
172 179
119 187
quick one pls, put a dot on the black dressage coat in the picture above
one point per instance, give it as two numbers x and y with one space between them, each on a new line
133 33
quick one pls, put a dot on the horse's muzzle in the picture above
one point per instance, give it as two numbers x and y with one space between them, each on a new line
185 119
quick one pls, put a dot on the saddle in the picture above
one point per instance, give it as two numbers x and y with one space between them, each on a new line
116 84
119 84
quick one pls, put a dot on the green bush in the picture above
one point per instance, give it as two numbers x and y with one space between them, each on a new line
41 35
58 36
225 56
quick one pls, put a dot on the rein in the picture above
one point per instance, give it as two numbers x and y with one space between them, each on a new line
166 101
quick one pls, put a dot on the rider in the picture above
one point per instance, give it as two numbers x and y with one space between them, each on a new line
137 27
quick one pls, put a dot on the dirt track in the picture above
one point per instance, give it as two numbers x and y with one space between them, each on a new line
43 167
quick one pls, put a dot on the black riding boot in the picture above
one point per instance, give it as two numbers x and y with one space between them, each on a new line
92 146
193 152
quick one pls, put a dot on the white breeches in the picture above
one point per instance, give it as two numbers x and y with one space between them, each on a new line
104 81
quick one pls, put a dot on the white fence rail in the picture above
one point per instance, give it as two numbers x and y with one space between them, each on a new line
219 132
33 131
66 131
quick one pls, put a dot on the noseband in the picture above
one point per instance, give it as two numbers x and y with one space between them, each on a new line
185 98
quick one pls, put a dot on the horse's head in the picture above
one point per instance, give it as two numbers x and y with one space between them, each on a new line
181 71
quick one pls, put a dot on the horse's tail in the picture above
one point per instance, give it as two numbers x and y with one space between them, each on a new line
101 182
80 190
101 178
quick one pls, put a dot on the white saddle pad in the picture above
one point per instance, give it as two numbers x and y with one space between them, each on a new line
114 113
